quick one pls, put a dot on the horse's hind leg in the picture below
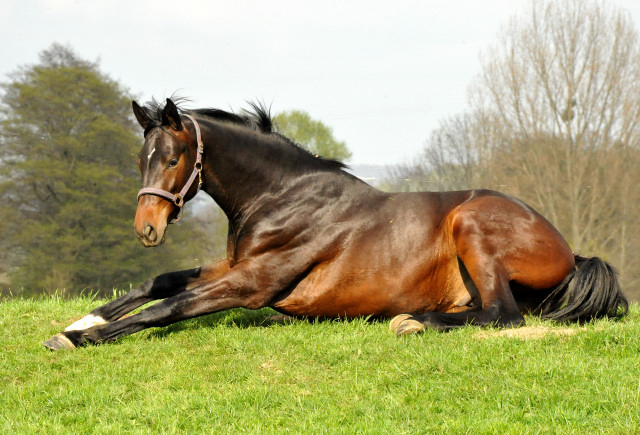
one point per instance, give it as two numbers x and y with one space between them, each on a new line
485 252
498 308
160 287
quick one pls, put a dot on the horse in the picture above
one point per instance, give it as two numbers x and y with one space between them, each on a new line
308 239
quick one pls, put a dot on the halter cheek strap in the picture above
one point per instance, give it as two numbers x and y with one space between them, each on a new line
178 198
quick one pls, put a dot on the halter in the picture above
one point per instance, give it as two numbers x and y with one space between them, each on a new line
178 198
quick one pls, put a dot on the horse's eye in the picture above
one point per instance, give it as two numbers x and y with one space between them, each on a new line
172 163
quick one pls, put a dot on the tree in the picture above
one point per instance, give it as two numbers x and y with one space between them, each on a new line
560 89
448 161
68 179
312 135
555 120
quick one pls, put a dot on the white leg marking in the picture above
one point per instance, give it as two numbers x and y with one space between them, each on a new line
86 322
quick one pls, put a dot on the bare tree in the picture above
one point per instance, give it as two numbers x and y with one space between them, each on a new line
555 120
561 90
448 161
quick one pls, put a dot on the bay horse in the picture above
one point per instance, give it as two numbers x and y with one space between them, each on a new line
308 239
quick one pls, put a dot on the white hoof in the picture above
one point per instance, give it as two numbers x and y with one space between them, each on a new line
396 321
59 342
409 327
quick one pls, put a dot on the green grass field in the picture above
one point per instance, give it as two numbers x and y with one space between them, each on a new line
238 372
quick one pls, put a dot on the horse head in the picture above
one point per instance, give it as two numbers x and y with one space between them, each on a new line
170 161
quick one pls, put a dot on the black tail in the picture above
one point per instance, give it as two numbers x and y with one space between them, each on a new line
589 292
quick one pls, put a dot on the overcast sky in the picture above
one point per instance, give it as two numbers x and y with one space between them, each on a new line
380 73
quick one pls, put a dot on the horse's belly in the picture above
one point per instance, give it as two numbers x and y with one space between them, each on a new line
403 262
326 292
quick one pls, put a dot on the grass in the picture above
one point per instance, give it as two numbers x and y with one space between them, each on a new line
236 372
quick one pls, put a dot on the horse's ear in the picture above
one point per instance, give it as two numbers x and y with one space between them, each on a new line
141 115
170 115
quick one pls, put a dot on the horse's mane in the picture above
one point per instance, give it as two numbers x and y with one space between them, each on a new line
257 119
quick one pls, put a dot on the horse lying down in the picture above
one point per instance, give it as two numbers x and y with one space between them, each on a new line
308 239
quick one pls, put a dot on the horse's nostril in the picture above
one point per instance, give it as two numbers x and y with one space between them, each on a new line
149 233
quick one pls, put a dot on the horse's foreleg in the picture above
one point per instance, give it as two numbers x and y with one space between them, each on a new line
231 290
161 287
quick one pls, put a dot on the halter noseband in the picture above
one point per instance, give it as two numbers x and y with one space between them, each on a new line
178 198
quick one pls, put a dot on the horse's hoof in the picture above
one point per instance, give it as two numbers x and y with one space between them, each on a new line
396 321
410 326
59 342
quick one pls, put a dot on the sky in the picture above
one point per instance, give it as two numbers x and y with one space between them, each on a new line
381 74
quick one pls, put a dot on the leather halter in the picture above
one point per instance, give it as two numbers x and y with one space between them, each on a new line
178 198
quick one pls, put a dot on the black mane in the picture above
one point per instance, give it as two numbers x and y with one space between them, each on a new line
258 119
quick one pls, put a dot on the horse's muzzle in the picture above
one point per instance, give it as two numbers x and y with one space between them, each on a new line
150 236
151 221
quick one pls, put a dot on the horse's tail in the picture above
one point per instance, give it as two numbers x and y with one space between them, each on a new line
591 291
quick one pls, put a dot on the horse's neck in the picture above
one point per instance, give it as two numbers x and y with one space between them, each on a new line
241 166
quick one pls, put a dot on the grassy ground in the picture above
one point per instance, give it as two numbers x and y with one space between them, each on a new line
237 372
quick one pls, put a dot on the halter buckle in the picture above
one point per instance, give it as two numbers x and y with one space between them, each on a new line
179 200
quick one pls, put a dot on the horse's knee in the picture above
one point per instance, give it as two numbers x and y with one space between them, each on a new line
256 300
